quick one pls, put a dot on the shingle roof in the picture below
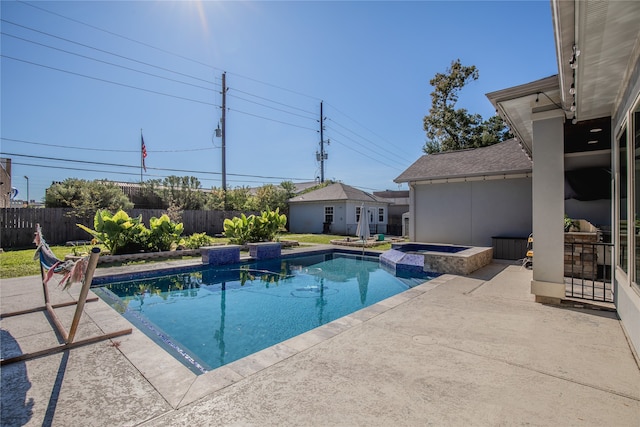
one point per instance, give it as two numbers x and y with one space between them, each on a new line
503 158
337 191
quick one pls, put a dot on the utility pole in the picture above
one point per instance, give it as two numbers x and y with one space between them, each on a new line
224 135
322 156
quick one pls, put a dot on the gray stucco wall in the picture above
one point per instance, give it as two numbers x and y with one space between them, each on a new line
470 213
309 217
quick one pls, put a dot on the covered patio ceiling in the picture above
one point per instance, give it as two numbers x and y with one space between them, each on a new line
597 45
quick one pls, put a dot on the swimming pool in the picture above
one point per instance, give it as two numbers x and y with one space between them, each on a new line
208 317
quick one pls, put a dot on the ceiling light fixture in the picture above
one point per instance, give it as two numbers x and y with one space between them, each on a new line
595 130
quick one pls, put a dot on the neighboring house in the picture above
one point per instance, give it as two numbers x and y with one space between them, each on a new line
5 183
467 197
335 209
586 116
398 205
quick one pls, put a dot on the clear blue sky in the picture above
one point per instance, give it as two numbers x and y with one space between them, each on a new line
79 78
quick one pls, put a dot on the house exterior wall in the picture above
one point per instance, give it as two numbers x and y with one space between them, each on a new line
308 217
471 213
627 284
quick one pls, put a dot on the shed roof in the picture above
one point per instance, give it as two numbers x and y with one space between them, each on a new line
499 159
337 191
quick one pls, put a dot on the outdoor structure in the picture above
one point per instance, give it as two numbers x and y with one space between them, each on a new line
335 209
468 197
398 206
587 116
5 183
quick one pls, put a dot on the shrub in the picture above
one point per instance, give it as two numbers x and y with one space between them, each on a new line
119 232
254 228
198 240
164 234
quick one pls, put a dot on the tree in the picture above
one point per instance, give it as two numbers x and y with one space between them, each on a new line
183 192
86 197
270 197
450 129
240 199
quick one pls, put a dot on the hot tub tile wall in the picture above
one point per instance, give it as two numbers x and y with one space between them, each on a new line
265 250
221 255
462 263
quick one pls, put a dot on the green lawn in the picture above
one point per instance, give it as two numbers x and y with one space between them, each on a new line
21 263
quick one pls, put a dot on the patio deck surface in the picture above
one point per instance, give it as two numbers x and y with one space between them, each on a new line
472 350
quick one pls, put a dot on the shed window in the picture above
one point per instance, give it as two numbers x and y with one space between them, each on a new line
380 214
328 214
358 210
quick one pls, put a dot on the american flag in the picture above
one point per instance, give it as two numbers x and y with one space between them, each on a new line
144 153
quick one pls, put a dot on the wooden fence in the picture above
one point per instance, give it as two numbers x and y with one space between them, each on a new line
17 225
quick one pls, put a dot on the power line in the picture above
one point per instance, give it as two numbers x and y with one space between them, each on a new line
272 120
275 102
120 35
362 145
151 91
151 168
364 154
361 125
157 76
273 108
173 71
110 63
150 65
119 172
105 51
105 149
368 140
110 81
168 52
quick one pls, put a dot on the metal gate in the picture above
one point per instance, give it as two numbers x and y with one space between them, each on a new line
588 271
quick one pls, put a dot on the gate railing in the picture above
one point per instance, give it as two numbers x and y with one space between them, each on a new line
588 271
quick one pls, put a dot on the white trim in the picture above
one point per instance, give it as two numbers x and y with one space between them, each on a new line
473 178
631 223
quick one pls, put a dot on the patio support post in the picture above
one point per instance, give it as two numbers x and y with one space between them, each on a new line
412 212
548 206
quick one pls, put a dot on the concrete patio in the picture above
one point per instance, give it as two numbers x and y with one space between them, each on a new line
472 350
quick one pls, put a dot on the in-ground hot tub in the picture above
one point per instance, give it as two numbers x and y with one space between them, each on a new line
436 258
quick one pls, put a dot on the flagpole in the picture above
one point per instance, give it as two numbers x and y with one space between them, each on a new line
141 155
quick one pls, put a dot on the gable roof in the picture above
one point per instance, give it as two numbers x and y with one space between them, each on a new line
504 158
337 191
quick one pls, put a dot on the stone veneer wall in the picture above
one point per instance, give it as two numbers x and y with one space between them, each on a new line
462 263
580 255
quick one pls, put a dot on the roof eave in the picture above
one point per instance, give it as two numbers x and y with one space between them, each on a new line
477 175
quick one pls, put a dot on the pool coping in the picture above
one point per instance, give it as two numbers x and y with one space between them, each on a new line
180 386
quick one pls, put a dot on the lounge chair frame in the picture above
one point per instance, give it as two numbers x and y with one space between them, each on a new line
68 338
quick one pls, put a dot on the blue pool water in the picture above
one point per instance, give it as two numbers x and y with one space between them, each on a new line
426 247
213 316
